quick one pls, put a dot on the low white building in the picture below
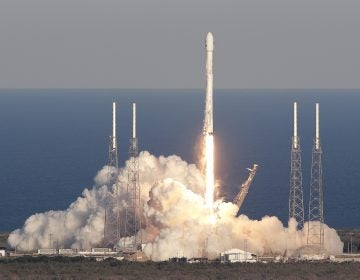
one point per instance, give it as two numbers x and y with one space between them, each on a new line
2 253
47 251
100 250
236 255
66 251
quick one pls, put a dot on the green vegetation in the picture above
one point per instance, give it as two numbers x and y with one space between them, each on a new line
87 268
350 236
3 239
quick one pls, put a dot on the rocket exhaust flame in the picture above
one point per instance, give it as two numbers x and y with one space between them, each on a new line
209 171
208 125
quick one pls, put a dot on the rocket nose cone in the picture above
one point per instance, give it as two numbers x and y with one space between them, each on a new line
209 42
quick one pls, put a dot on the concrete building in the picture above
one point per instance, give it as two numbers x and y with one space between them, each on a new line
47 251
236 255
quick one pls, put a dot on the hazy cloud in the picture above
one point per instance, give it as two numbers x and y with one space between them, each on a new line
160 44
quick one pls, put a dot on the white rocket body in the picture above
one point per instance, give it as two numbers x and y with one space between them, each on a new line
208 120
208 124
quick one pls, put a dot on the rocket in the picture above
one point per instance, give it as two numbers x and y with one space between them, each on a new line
208 124
208 119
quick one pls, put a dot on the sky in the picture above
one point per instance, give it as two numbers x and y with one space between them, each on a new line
161 43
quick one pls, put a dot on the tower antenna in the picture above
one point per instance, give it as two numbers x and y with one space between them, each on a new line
132 211
315 236
112 207
296 199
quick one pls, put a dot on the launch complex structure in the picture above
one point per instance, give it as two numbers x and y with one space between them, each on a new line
296 198
315 226
117 224
133 207
125 222
114 228
122 214
316 203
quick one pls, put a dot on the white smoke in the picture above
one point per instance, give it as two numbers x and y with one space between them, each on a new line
177 221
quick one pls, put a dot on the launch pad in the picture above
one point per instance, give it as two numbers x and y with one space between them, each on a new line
200 224
132 226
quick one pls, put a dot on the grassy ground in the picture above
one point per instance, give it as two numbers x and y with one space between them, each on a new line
80 268
3 239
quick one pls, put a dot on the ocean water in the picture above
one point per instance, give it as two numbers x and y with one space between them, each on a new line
52 143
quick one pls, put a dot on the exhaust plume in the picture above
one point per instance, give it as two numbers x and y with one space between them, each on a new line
175 217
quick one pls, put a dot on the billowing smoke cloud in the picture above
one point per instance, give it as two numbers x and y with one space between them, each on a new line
174 212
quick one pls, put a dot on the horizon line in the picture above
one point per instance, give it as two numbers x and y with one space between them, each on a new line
181 89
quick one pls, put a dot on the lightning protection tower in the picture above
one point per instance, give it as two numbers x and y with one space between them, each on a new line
132 211
315 236
112 207
296 200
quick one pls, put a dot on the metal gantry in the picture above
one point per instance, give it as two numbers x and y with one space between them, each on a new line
315 236
112 207
240 197
296 198
132 210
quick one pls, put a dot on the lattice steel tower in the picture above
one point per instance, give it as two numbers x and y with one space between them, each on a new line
132 211
316 212
240 197
296 199
112 207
